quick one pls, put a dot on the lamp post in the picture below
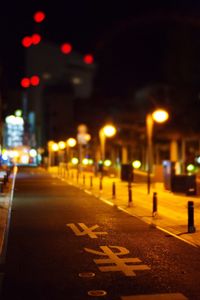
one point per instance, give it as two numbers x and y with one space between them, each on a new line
82 139
159 116
61 146
49 145
106 131
70 143
52 147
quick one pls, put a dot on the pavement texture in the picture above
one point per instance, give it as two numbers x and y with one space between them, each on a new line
172 209
5 206
58 233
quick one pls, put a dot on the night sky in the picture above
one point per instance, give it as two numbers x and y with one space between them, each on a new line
136 44
91 26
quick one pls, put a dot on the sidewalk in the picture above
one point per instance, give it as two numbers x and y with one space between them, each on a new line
172 209
5 207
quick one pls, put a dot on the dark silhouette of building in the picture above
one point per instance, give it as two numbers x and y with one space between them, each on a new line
63 79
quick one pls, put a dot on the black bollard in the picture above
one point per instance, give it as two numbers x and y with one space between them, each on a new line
100 184
7 175
155 204
113 190
91 182
129 185
130 200
5 179
1 187
191 227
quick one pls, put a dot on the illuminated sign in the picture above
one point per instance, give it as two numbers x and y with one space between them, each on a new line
14 128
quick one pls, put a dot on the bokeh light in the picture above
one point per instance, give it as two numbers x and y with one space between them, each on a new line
39 16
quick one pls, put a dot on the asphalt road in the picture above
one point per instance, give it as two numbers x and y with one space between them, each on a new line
52 243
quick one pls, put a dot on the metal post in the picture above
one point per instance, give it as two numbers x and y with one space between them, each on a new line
5 179
113 191
129 185
130 200
149 128
1 187
191 227
155 204
83 179
100 184
102 138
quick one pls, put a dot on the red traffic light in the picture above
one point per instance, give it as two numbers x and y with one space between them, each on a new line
66 48
36 38
88 59
39 16
25 82
34 80
27 41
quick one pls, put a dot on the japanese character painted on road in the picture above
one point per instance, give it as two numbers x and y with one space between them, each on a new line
86 230
116 263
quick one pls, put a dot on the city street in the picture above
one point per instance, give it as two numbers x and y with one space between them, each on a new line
66 244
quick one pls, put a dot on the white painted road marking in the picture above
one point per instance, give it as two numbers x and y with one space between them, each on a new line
120 264
86 230
173 296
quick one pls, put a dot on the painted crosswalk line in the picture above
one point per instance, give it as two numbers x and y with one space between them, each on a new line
115 263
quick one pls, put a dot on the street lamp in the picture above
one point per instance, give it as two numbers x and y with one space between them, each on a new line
52 147
70 143
158 116
106 131
61 146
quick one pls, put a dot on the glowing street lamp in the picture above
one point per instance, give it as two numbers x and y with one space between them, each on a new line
70 143
52 147
158 116
106 131
107 163
136 164
109 130
61 145
74 161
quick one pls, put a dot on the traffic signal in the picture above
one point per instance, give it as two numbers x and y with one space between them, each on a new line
39 16
66 48
88 59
